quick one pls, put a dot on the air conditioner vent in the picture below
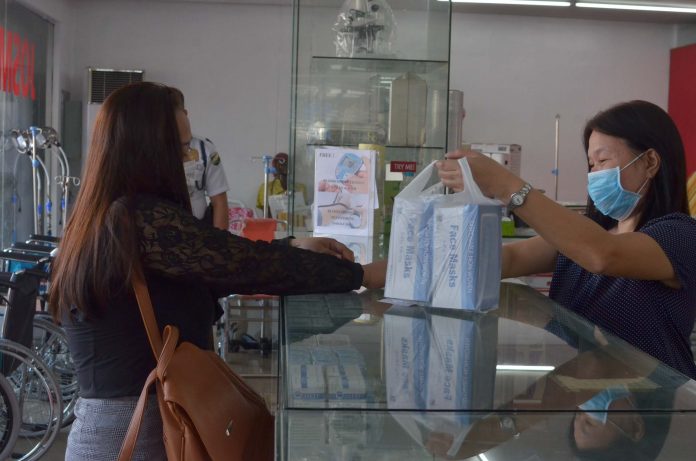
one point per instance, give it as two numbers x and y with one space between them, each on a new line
102 82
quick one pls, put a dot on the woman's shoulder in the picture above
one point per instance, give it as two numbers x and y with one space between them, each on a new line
681 221
674 230
149 201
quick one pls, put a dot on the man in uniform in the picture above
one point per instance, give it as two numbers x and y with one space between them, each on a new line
205 176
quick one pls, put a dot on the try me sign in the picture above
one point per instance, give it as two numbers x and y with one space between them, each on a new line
17 57
402 167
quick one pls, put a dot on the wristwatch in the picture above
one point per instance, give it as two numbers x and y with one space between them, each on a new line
518 198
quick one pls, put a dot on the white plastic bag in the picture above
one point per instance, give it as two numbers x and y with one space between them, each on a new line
467 249
410 243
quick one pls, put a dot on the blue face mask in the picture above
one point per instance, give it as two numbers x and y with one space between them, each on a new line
609 197
598 405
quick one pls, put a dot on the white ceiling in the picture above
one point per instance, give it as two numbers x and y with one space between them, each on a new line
562 12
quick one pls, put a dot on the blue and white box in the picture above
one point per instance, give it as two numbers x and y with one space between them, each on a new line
466 256
346 386
308 385
406 343
462 362
411 239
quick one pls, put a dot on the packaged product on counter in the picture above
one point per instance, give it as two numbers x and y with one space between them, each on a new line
410 241
466 256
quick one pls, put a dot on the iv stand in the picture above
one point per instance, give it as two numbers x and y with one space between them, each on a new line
34 166
555 167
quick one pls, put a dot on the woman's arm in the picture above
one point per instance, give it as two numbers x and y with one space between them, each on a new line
630 254
175 244
527 257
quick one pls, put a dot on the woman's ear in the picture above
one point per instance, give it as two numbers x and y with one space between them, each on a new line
654 161
637 429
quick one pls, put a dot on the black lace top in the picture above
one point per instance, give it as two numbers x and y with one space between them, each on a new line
188 265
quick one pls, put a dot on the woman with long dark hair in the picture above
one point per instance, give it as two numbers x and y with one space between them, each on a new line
133 208
629 265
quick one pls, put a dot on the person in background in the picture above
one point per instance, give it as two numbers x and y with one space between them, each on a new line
205 176
133 209
279 184
628 266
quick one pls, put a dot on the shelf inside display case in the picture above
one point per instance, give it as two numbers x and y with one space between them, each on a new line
325 64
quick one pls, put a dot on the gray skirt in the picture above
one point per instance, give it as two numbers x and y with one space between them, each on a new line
101 424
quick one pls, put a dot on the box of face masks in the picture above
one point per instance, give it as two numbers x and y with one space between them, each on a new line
410 243
406 342
461 362
466 256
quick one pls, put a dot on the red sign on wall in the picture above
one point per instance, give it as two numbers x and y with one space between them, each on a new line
17 58
682 99
402 167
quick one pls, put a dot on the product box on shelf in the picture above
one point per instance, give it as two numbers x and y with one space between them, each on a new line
407 109
509 155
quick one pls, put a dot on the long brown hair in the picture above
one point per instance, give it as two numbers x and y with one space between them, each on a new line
135 150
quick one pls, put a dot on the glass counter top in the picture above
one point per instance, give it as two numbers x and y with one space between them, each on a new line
366 379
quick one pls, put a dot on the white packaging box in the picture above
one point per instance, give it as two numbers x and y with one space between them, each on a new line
407 108
349 355
509 155
308 385
299 354
462 362
410 249
323 355
466 257
346 386
406 342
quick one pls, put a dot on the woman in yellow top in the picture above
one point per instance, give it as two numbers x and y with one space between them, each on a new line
279 184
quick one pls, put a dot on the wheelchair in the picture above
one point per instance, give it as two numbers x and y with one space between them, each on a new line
33 361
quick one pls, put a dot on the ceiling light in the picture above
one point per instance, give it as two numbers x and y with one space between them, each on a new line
524 368
512 2
624 6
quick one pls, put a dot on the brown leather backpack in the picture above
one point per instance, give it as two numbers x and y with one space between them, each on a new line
208 412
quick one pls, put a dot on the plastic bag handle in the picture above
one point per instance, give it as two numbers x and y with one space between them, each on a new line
419 183
471 189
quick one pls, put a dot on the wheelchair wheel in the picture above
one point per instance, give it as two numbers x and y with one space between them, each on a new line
9 419
39 398
51 345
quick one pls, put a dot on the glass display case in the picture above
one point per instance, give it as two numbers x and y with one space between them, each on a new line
364 379
370 72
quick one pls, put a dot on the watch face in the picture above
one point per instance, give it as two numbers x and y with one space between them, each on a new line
517 200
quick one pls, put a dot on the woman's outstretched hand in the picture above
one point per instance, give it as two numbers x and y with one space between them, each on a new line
324 245
493 179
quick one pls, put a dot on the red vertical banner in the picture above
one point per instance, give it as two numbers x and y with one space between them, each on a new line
682 99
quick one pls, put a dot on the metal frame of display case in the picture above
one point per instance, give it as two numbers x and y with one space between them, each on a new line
345 100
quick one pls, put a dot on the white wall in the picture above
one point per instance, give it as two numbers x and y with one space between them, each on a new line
231 61
518 72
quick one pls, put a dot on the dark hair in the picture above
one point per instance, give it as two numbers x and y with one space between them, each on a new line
135 150
643 125
178 96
